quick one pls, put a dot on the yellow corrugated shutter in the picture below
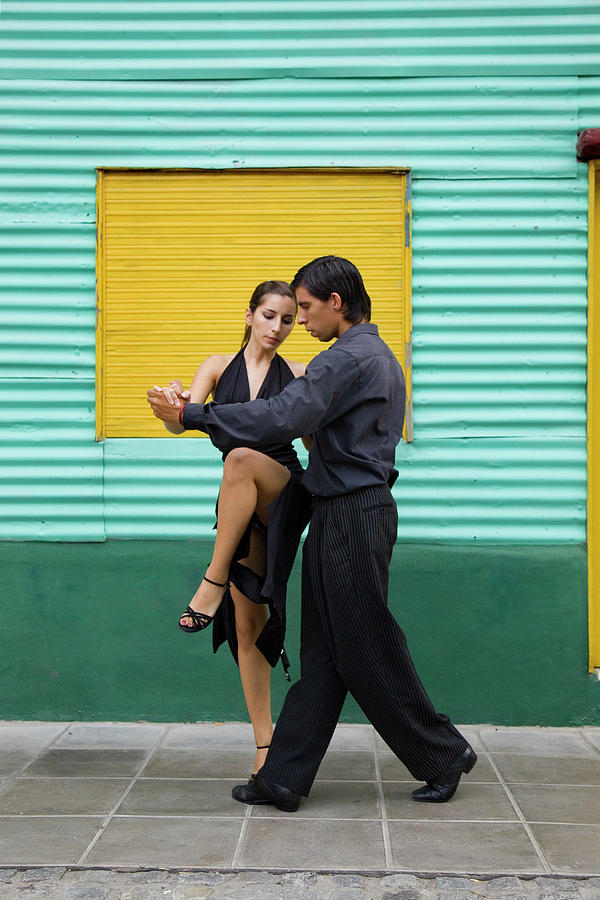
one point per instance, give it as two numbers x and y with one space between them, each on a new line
180 252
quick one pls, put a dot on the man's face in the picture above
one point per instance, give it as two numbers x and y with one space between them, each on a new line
321 318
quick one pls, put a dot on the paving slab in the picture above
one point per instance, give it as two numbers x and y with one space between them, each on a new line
236 735
536 742
61 796
474 802
346 765
352 738
558 803
570 848
86 762
463 847
181 797
13 760
112 735
167 841
31 736
48 840
517 768
303 843
199 762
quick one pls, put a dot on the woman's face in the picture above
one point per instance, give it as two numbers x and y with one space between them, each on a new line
272 321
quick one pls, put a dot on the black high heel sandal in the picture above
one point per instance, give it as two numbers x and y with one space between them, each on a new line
201 620
254 775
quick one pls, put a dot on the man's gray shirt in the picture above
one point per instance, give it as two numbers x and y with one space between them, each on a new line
351 400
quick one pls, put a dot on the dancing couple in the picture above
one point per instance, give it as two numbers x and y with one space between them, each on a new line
350 401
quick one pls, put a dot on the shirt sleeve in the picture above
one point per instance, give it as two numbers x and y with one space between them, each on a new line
307 404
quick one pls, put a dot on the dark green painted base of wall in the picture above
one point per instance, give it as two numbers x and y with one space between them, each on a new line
89 631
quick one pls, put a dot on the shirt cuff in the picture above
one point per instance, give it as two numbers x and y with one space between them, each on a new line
192 416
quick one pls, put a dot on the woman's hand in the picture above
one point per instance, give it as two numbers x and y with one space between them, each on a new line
165 405
175 393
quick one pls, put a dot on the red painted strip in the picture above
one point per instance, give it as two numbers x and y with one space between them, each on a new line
588 144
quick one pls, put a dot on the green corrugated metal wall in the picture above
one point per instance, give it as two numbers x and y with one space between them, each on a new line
499 237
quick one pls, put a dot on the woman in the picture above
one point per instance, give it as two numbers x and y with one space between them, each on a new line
245 579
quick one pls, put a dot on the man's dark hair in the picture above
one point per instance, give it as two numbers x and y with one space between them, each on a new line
328 274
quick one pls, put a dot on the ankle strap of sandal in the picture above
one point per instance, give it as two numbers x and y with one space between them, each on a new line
216 583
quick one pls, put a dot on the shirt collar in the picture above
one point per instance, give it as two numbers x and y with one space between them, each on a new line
363 328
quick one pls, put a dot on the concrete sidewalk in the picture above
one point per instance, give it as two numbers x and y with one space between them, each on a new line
106 796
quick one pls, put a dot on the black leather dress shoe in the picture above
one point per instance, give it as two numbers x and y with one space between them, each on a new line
443 787
260 791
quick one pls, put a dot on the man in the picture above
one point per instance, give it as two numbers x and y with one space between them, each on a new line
352 401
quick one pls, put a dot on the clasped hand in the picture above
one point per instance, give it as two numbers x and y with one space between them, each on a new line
167 401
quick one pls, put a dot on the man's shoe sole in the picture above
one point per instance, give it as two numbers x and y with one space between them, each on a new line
250 802
288 807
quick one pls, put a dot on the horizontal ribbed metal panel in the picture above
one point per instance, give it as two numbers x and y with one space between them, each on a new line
184 476
50 467
492 490
499 287
271 38
448 490
589 102
47 309
499 308
54 134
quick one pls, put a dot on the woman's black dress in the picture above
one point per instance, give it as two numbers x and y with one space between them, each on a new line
288 516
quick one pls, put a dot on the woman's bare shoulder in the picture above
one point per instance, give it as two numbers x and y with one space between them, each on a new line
216 364
298 368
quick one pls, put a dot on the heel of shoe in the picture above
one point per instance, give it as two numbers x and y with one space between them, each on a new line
281 797
470 762
287 805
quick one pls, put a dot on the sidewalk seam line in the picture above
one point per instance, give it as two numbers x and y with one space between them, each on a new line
540 853
122 797
44 749
238 847
279 818
385 830
589 743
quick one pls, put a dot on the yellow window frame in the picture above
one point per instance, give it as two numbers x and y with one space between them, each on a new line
202 180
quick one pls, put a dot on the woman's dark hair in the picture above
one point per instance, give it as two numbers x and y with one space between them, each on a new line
259 293
328 274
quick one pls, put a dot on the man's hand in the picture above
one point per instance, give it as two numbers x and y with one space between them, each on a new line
165 407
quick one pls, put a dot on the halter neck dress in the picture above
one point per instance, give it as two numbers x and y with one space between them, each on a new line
288 516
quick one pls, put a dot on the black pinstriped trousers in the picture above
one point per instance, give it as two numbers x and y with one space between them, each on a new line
351 642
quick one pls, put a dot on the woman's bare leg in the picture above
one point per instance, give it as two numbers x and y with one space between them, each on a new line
255 671
251 481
